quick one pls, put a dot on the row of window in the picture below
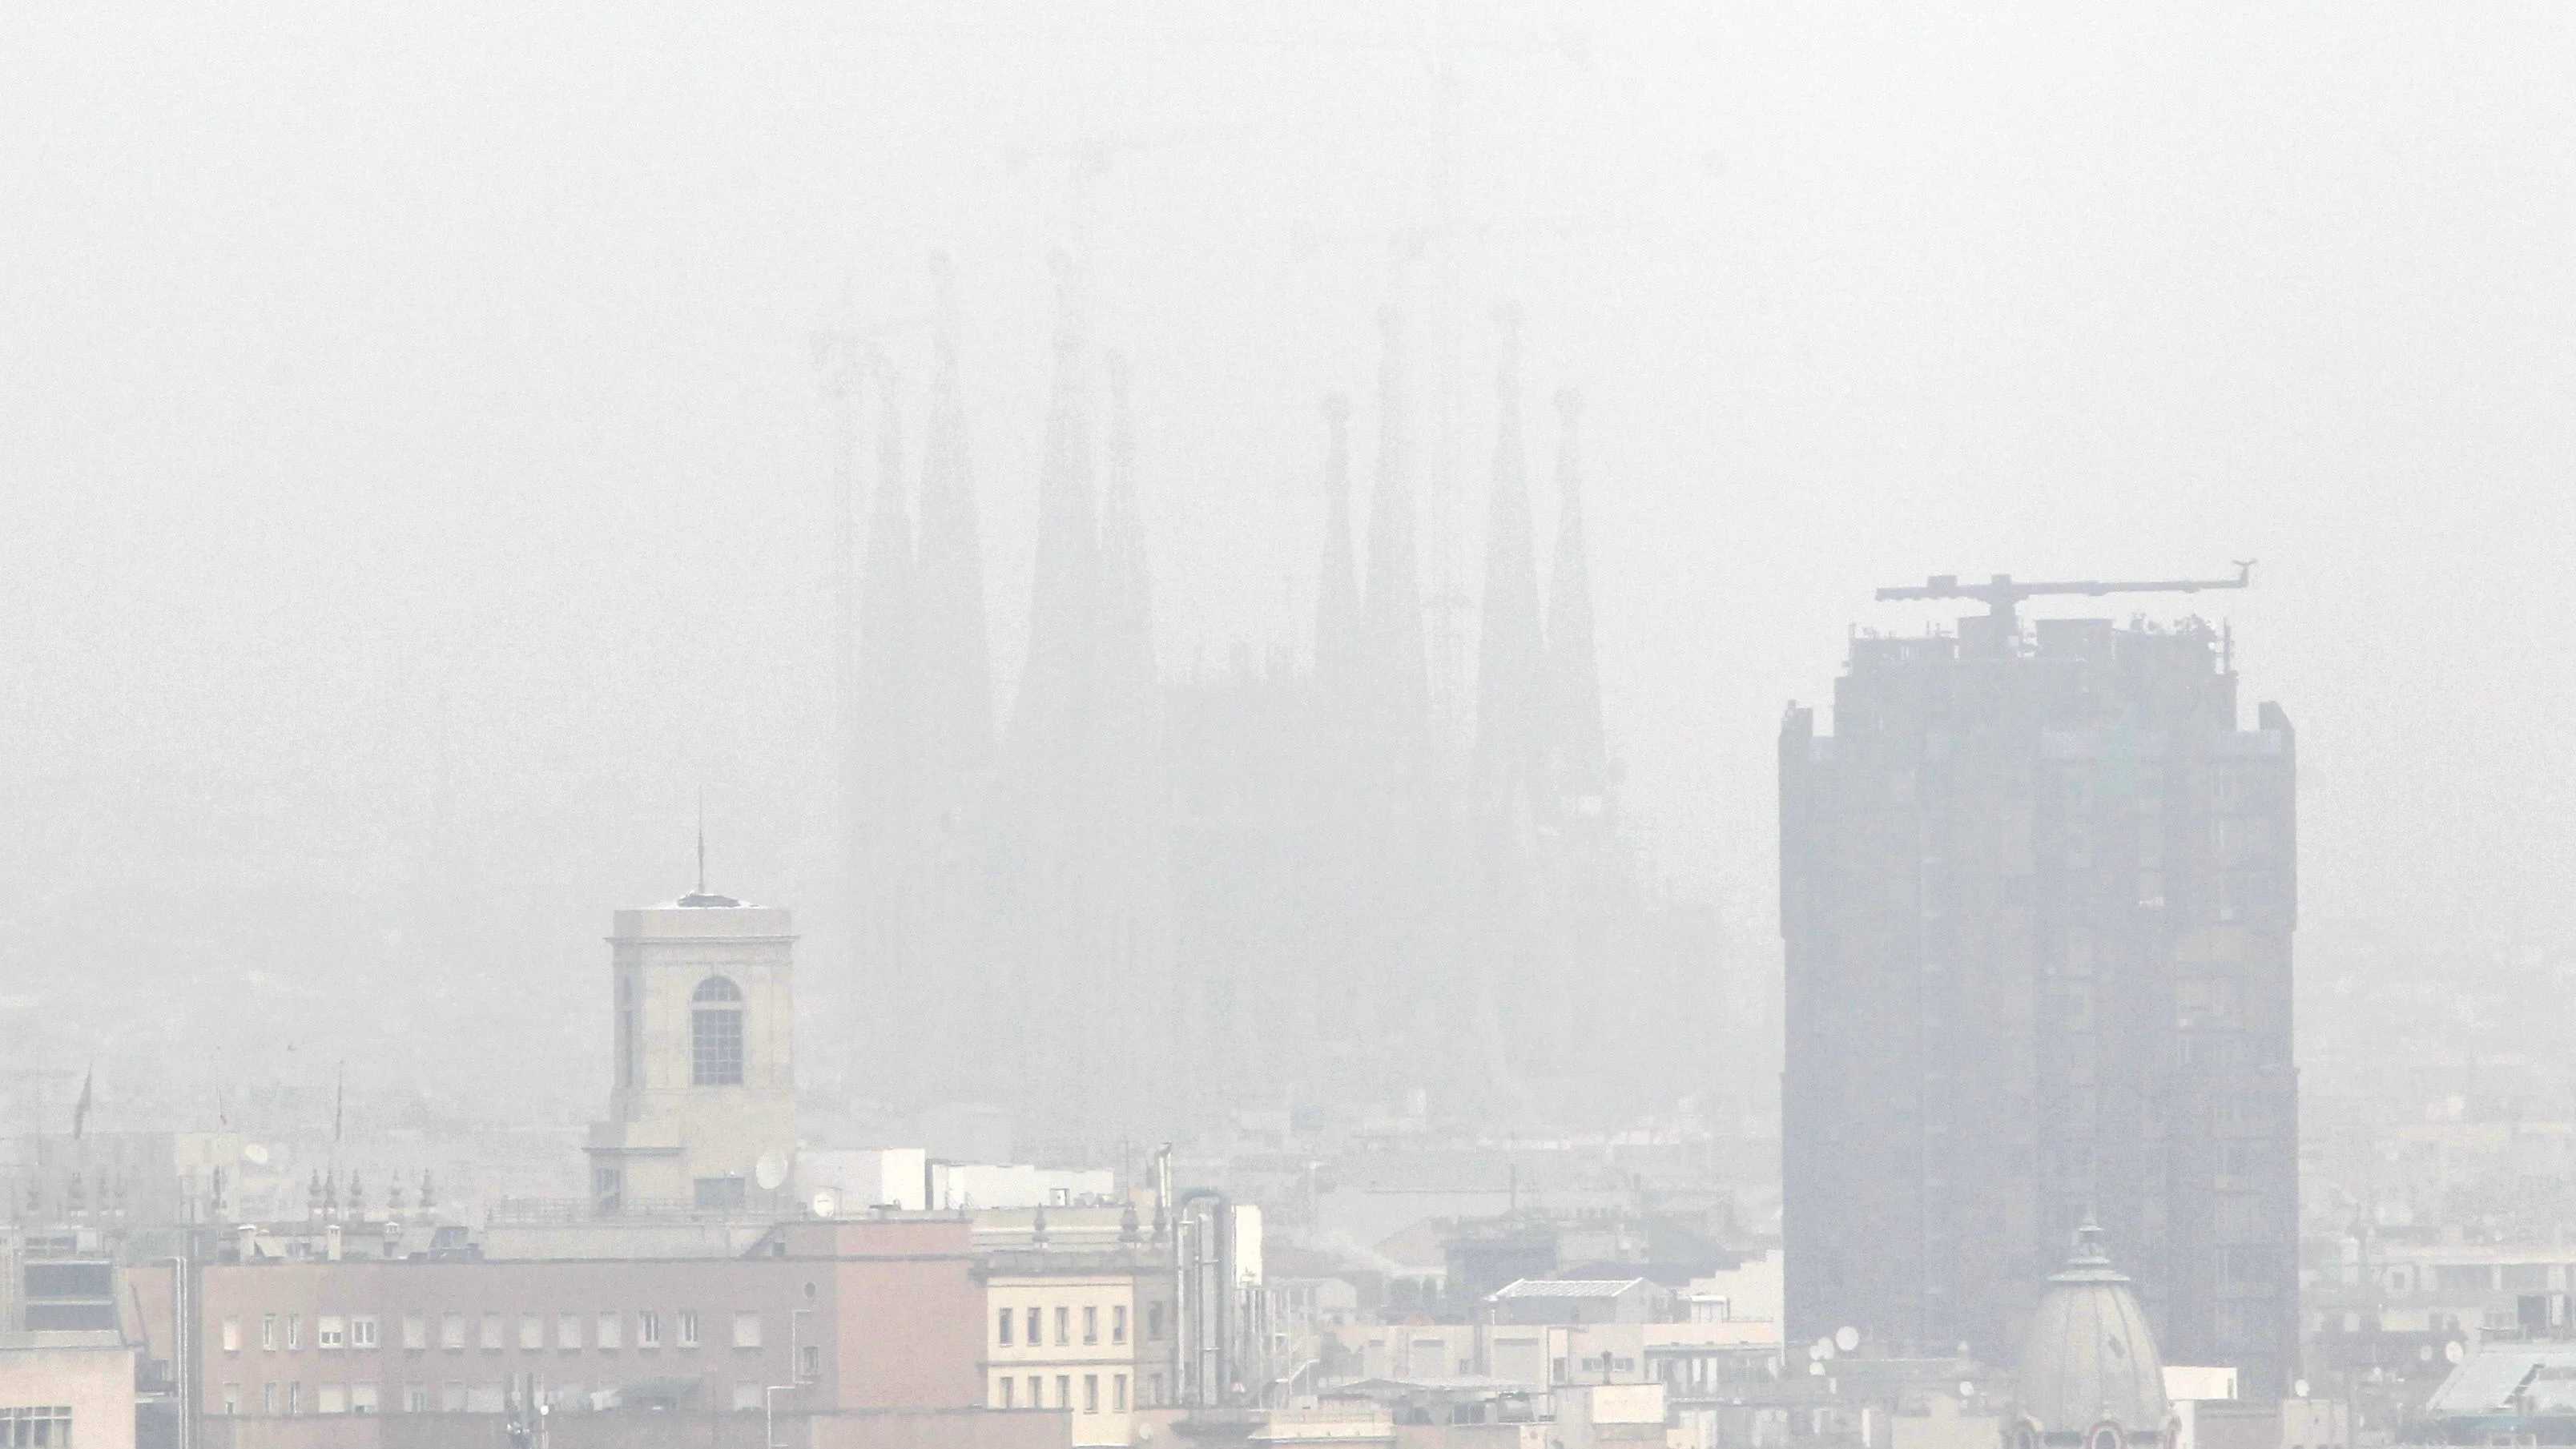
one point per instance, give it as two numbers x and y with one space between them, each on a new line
1006 1321
1007 1394
605 1330
451 1397
43 1426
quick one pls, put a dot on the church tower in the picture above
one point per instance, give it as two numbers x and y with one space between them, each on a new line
703 1106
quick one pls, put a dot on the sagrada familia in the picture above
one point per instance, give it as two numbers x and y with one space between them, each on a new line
1132 903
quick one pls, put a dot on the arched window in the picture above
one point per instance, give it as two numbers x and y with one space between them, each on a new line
715 1034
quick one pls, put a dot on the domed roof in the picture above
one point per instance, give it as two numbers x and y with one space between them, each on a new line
2090 1356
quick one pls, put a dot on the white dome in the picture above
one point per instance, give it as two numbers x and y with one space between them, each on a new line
2090 1358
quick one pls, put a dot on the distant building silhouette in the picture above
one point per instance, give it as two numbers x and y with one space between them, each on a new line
2037 891
1149 898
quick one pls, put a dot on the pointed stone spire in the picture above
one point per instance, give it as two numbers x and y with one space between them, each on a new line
1339 644
1393 603
886 743
1511 658
887 602
1048 719
955 656
1574 675
1126 580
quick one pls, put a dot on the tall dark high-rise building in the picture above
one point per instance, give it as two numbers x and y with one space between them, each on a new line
2037 890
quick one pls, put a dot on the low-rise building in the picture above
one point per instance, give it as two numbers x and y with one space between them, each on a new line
67 1387
861 1332
1088 1331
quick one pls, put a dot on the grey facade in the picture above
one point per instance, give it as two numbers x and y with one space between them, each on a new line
2037 894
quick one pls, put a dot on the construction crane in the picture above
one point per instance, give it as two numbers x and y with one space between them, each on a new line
2002 594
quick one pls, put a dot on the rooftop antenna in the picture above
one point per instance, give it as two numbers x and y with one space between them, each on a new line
702 840
2002 595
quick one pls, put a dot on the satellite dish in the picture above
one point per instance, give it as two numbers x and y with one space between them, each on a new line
1967 1390
1817 1369
1824 1349
770 1171
825 1205
2453 1351
1846 1338
252 1152
2299 1389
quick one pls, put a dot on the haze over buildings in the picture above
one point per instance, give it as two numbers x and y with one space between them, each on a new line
1158 635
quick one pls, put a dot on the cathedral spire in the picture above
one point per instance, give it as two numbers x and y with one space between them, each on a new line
1338 641
886 735
1574 675
955 657
1048 717
1511 650
1126 581
1392 607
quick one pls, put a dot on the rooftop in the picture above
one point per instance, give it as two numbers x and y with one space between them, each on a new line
34 1340
1568 1287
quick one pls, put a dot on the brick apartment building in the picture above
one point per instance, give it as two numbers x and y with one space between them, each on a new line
859 1334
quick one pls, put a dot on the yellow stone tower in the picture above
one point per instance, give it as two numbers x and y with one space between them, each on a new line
702 1113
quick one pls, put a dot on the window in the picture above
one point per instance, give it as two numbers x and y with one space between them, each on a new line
648 1329
1154 1321
295 1397
232 1335
268 1330
568 1331
1003 1322
1118 1323
415 1398
608 1190
625 1032
452 1397
715 1034
491 1331
294 1330
746 1329
688 1328
1063 1326
232 1398
49 1425
329 1332
532 1330
1091 1393
1037 1392
1118 1398
415 1331
330 1399
362 1331
268 1398
746 1396
1154 1389
484 1399
1036 1334
1064 1391
809 1362
608 1326
1090 1325
1002 1394
451 1332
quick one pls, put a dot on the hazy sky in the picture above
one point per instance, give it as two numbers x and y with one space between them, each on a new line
412 430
